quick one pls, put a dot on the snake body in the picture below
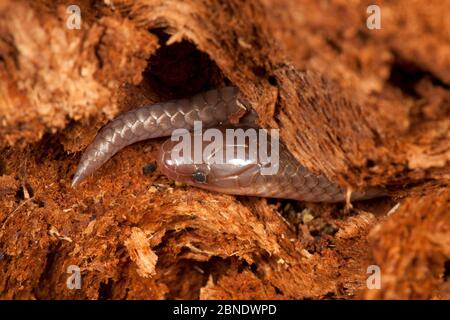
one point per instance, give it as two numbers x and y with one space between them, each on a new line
213 108
157 120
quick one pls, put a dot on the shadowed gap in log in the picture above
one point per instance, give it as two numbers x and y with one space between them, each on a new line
406 74
179 69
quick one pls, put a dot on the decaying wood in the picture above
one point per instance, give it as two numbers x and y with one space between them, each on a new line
364 107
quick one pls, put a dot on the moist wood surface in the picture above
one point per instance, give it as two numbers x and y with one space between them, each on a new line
363 107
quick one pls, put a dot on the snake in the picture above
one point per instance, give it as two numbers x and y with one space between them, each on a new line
217 109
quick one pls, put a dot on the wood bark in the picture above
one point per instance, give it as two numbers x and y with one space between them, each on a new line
364 107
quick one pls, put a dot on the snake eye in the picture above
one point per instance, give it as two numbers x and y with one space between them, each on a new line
199 176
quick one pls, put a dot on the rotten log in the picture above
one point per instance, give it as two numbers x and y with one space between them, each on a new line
364 107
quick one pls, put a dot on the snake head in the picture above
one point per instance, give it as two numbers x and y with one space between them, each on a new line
232 175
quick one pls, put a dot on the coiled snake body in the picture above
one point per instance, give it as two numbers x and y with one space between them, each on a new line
239 176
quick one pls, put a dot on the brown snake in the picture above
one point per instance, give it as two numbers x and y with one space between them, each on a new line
239 177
